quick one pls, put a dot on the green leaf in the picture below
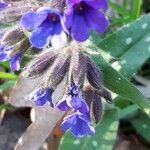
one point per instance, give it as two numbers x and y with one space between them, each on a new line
5 106
11 76
4 65
126 37
135 57
5 25
127 111
6 85
136 10
118 83
119 9
141 123
104 137
130 45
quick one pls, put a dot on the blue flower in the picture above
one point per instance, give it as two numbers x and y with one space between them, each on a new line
41 95
83 16
45 25
74 90
72 100
3 5
79 124
14 59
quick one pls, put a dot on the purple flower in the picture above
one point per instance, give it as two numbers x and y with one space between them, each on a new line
74 90
83 16
14 59
46 26
3 5
79 124
72 100
41 95
68 102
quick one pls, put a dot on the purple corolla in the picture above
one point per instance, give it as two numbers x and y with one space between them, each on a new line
14 59
45 26
79 124
83 16
41 95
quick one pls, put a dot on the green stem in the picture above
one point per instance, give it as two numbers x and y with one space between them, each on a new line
136 10
4 75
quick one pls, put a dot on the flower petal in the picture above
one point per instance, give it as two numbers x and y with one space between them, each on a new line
73 90
1 47
40 37
59 41
97 4
75 102
43 96
40 101
79 31
3 55
32 20
97 20
62 105
57 28
70 3
69 121
3 5
81 128
67 19
15 62
49 10
40 96
84 107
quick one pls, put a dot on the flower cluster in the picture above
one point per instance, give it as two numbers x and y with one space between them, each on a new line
14 60
53 26
78 19
12 47
83 16
77 99
45 25
48 25
78 122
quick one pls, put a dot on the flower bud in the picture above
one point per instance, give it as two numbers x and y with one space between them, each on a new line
97 109
88 94
13 36
104 93
40 64
41 95
20 47
93 101
58 70
77 68
94 75
13 53
13 14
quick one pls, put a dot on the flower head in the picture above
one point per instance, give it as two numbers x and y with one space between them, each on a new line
72 101
45 25
83 16
12 47
79 124
3 5
41 95
14 59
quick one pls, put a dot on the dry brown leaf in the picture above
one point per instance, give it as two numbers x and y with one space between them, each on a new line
45 119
